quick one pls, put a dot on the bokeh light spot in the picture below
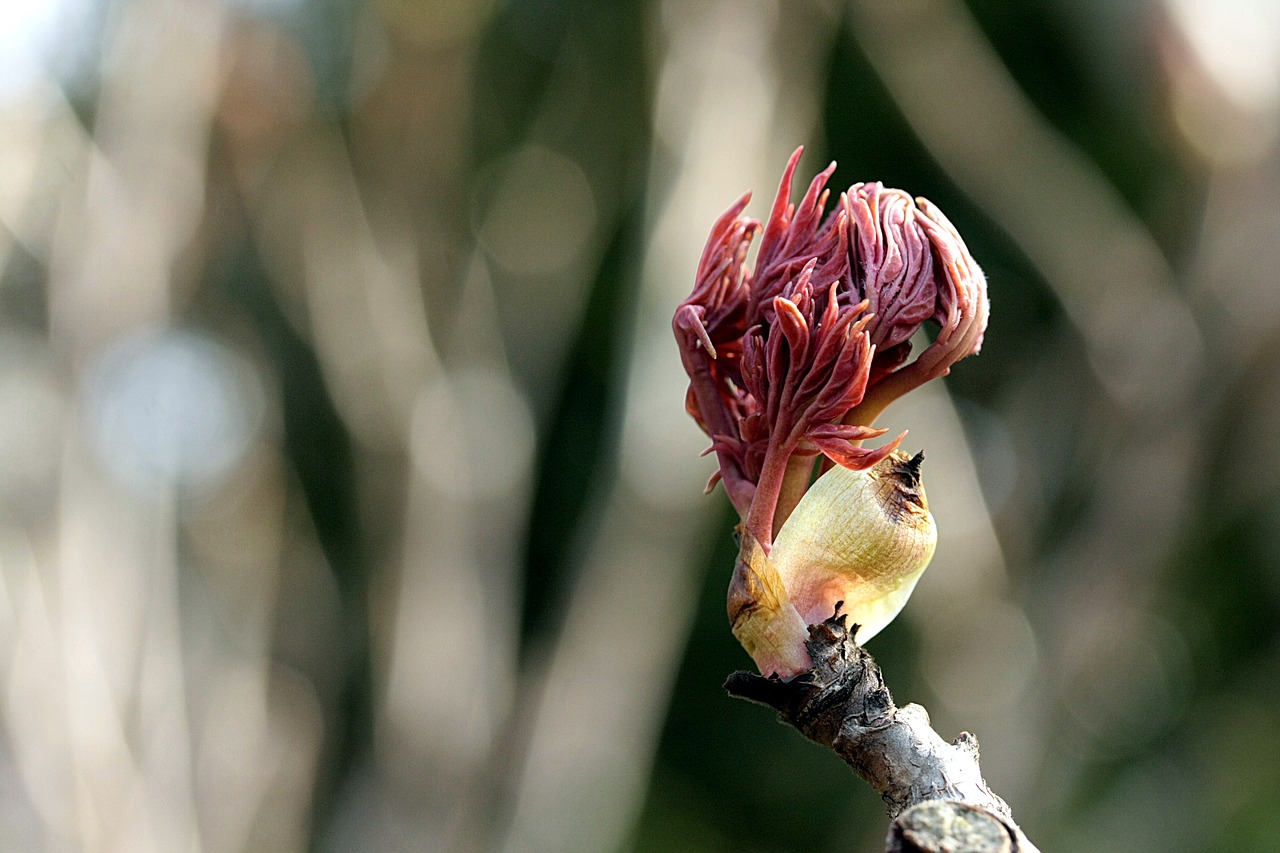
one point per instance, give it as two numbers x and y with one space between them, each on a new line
171 408
540 212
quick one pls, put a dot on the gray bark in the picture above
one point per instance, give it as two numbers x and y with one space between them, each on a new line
933 790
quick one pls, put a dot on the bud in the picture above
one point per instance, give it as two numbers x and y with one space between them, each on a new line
790 364
860 537
858 541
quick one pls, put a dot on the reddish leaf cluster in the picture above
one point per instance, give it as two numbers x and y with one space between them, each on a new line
798 357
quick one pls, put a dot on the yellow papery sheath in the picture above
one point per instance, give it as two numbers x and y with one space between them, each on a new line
861 537
762 615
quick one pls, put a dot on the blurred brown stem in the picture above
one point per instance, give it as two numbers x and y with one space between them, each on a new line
933 790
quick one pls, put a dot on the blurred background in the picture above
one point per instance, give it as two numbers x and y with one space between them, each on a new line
347 499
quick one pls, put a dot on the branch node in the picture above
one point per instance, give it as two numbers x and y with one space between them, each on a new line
943 826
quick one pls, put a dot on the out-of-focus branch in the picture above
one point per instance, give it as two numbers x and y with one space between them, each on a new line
1103 264
590 743
933 790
